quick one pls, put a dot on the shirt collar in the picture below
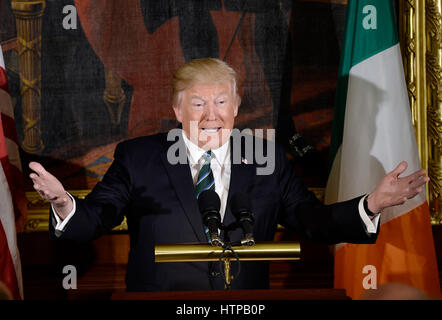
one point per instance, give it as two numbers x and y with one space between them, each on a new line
195 153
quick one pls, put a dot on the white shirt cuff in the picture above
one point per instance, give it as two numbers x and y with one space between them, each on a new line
62 224
371 223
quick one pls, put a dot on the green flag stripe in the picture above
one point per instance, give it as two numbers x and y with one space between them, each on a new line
370 28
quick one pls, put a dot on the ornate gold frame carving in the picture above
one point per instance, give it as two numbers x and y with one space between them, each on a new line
420 37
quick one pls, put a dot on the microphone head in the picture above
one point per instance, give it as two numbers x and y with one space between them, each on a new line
240 203
209 201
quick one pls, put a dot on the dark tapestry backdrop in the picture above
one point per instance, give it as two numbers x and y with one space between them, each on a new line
109 79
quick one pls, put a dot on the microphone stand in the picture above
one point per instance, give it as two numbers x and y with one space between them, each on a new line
227 229
228 246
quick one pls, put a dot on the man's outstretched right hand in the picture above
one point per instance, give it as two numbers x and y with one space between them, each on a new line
51 189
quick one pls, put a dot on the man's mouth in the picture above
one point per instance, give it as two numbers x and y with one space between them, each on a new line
211 130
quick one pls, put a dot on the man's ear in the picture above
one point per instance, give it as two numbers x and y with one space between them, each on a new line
178 112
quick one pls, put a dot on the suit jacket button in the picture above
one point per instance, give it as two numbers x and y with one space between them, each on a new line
214 274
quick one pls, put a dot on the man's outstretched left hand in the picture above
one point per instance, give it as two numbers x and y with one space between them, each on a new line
393 190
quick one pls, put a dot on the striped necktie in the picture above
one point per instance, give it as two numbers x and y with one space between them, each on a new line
205 176
205 180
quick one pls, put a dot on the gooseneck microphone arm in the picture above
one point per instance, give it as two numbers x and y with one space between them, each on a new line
241 209
209 205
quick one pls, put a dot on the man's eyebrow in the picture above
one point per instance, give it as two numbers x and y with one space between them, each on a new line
194 96
222 94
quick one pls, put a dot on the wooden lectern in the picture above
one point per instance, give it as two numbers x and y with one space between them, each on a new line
170 253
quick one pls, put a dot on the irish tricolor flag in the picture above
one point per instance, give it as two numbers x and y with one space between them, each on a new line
372 134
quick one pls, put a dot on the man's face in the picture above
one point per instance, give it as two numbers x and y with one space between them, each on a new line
207 113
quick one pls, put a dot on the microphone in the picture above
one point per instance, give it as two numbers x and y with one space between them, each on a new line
240 206
209 205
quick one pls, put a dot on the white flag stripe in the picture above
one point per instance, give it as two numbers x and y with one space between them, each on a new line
377 119
332 187
7 220
2 61
7 216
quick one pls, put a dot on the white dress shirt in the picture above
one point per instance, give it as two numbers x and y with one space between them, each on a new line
220 165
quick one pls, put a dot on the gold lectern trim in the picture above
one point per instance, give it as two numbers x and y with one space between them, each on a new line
205 252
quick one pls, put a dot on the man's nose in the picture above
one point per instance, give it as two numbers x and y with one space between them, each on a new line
211 111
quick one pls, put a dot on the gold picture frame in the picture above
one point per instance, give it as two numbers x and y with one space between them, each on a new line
421 44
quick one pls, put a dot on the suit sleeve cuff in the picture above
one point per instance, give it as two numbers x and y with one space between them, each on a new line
61 224
371 223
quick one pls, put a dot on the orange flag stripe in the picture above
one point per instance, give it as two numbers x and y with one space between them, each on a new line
404 253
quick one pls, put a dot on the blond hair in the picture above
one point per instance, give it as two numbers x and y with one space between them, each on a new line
205 70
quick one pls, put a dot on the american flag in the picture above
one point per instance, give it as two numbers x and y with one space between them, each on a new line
11 192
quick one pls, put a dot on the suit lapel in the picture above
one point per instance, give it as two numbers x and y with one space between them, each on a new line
181 180
241 178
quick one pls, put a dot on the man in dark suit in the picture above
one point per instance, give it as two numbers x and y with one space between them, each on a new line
159 196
